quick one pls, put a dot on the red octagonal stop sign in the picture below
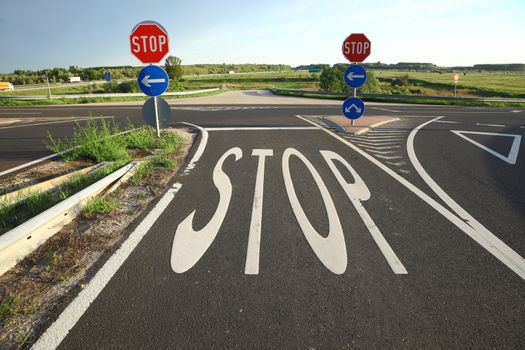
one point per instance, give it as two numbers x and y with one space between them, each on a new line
149 42
356 47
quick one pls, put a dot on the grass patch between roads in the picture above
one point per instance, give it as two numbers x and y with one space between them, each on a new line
96 142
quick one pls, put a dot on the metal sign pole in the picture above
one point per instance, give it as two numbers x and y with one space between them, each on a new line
355 95
156 116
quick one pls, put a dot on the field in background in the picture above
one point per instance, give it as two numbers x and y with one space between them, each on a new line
471 84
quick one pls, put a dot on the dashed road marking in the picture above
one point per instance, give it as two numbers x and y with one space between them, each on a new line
493 125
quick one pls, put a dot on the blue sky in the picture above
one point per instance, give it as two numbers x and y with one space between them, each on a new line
39 34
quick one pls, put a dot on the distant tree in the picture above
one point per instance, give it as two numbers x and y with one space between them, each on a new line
173 67
371 85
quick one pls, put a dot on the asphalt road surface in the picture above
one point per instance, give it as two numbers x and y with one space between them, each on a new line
281 234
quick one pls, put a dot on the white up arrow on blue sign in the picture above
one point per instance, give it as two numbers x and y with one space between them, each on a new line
355 76
153 80
353 108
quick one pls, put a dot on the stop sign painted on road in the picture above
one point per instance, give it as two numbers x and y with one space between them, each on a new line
356 47
149 42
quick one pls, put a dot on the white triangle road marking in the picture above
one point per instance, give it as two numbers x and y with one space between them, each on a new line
514 149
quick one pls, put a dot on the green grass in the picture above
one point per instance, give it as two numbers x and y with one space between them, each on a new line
480 84
98 142
84 100
12 305
395 99
99 205
94 141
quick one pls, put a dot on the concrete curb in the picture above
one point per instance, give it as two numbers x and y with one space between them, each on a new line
27 237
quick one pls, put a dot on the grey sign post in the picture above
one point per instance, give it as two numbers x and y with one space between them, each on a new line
156 112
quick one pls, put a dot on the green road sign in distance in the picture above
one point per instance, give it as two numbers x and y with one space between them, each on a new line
148 112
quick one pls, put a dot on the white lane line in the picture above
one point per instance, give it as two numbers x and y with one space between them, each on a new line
494 125
404 171
254 237
516 111
256 128
9 113
200 149
54 335
386 110
522 127
55 122
447 122
473 228
488 241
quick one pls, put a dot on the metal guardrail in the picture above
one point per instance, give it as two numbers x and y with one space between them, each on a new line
138 94
413 97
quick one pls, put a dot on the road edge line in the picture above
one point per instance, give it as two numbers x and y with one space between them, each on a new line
200 150
57 332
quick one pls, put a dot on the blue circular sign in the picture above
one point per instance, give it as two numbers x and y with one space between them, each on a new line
353 108
355 76
153 80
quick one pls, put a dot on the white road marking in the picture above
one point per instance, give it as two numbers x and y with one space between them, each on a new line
331 250
446 122
405 171
357 192
396 163
514 149
377 148
383 139
486 239
467 223
388 157
516 111
200 149
380 152
386 110
190 245
386 131
254 239
377 143
9 113
494 125
55 122
256 128
56 333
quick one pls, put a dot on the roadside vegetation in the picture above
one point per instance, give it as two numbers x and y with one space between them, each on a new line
417 79
96 142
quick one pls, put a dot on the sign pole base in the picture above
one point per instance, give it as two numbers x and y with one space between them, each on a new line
156 116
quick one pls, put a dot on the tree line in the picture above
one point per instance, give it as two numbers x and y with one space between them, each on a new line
176 71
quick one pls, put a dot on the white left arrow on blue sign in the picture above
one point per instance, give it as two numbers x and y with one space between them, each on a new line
153 80
147 81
